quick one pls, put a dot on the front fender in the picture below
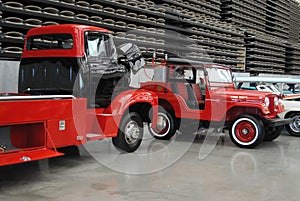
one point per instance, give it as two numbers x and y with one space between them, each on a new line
128 98
122 102
236 109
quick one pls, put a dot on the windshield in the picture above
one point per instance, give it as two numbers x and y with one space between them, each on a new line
100 45
219 75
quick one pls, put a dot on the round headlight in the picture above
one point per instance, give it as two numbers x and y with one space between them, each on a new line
267 102
276 101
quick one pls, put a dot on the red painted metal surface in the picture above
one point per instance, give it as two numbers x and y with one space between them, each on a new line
106 120
39 126
26 155
38 110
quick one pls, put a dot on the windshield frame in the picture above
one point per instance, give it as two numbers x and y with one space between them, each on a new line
108 48
221 78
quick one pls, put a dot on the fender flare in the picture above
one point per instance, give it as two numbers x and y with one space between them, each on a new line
127 99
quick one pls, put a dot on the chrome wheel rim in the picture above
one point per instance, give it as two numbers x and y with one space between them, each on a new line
295 124
132 132
162 129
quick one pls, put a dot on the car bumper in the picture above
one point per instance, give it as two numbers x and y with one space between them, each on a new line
276 122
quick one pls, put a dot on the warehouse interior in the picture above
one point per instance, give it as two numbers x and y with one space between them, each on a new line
249 36
252 36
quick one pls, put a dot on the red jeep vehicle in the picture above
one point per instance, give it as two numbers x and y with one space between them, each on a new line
73 87
204 93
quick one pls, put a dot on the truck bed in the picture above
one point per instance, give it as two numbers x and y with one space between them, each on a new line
40 124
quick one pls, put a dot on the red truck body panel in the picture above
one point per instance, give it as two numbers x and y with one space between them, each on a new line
106 120
39 125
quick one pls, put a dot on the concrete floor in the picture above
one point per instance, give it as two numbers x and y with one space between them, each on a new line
181 171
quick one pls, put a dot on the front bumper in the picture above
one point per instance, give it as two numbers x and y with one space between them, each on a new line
276 122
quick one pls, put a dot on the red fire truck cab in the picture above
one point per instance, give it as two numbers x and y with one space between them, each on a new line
203 94
73 87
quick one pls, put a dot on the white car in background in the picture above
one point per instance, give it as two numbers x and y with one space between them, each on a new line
292 110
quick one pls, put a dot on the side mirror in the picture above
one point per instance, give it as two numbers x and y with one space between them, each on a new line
133 56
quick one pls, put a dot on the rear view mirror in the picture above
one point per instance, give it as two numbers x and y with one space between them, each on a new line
133 56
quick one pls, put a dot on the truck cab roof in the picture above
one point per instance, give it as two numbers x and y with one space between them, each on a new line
63 28
59 35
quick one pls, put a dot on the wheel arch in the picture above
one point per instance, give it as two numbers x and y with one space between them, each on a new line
142 108
290 113
167 106
140 101
236 111
293 127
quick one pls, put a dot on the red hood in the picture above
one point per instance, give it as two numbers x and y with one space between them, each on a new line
239 94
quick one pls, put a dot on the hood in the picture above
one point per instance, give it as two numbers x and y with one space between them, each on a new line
233 94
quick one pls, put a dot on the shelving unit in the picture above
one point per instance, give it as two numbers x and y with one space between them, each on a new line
268 27
278 18
210 39
247 15
293 59
294 23
107 14
253 36
263 54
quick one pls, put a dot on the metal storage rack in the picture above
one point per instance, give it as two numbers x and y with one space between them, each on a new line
265 54
294 23
209 38
143 22
293 60
121 17
254 36
268 27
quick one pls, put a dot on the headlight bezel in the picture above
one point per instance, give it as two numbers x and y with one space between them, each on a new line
276 101
267 101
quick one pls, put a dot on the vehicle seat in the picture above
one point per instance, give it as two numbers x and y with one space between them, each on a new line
198 96
182 91
185 90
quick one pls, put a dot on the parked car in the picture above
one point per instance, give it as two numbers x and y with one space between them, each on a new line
250 117
292 110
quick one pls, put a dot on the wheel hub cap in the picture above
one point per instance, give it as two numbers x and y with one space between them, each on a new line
295 124
132 132
245 131
161 123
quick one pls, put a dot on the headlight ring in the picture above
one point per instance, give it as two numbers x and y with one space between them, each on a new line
267 102
276 101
